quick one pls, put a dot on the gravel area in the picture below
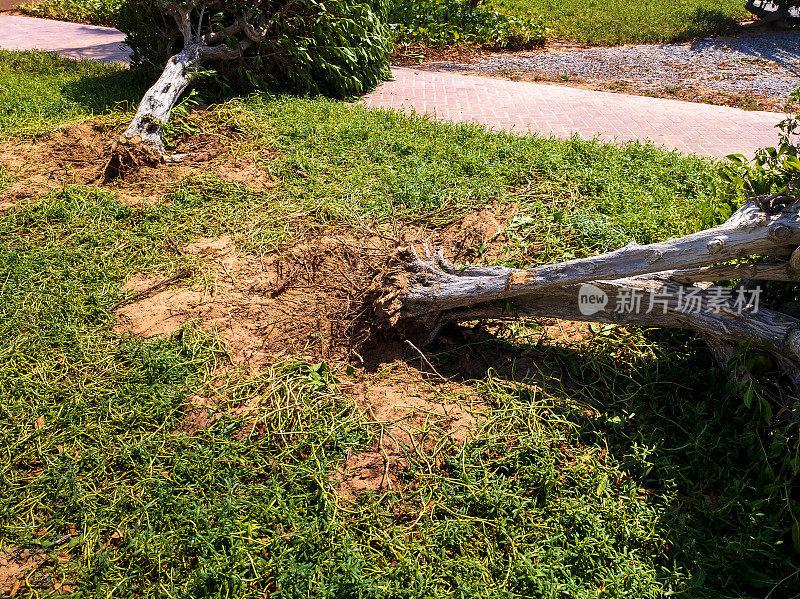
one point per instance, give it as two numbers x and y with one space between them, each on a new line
765 65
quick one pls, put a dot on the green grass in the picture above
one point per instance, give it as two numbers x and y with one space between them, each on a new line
629 470
610 22
42 89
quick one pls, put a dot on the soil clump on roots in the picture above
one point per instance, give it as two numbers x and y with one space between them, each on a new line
93 153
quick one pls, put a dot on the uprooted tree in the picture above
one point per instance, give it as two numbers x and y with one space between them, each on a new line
332 47
658 285
733 284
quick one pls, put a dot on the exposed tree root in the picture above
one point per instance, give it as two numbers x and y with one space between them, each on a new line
128 155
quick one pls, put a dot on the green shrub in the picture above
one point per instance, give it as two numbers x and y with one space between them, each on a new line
335 47
95 12
440 23
772 170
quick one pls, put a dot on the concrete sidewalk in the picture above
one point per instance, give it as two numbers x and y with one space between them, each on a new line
520 107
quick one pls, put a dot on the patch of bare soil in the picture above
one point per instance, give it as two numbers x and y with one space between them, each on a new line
308 301
79 153
27 572
475 237
418 419
15 565
301 302
198 414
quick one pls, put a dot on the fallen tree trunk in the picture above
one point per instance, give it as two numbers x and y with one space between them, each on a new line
760 227
665 284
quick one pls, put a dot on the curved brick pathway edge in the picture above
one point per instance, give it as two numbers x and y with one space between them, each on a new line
520 107
69 39
524 107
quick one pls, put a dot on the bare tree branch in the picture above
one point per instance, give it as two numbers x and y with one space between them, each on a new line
751 230
629 287
780 271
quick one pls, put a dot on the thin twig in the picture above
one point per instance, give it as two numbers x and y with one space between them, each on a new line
436 372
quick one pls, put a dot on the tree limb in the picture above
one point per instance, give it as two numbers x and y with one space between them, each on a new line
658 285
751 230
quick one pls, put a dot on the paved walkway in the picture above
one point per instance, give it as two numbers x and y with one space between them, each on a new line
499 104
70 39
556 110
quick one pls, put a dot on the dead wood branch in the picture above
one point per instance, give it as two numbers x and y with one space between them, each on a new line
752 230
658 285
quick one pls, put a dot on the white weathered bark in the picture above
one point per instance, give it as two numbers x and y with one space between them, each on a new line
767 328
755 229
157 104
425 294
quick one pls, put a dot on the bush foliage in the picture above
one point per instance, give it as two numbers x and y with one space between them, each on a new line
441 23
336 47
94 12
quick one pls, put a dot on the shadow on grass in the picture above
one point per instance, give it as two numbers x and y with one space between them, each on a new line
671 423
704 22
39 90
114 90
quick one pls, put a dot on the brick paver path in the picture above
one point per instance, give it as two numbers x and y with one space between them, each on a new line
556 110
508 105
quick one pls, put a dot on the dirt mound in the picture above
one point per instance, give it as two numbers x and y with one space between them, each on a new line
300 302
78 153
309 301
306 302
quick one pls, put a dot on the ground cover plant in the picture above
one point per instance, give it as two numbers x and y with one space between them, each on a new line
195 460
42 89
611 22
93 12
440 24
